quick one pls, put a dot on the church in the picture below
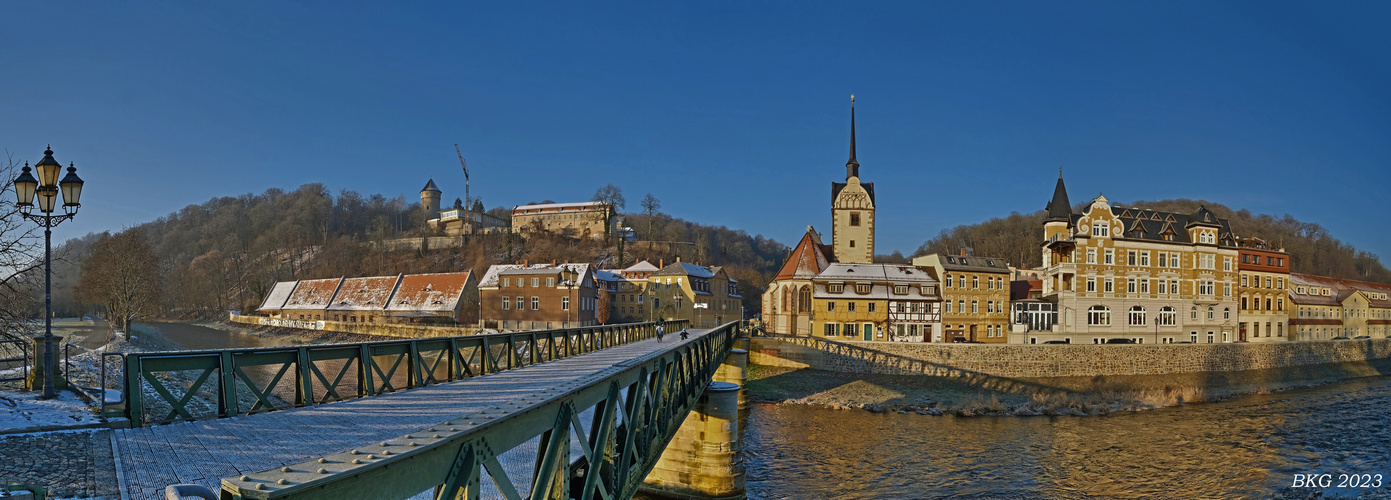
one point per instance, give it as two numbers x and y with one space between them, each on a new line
837 291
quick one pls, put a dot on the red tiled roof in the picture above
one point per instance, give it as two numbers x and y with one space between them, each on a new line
313 294
429 292
363 294
806 261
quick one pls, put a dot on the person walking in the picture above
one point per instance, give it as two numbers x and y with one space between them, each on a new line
685 334
660 331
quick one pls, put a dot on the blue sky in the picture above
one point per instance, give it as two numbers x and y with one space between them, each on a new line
732 114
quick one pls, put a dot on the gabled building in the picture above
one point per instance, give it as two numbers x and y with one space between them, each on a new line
362 300
275 300
435 298
705 296
576 220
626 288
1145 275
787 303
876 302
459 219
1324 308
310 299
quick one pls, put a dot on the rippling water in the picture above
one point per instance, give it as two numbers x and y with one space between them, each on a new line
1250 447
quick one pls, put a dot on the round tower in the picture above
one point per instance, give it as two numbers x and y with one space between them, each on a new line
430 200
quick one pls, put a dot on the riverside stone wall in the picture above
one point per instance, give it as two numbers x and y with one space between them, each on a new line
379 329
1072 360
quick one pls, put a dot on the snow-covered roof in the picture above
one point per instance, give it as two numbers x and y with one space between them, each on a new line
607 275
562 206
364 294
275 300
685 269
490 278
643 266
430 292
313 294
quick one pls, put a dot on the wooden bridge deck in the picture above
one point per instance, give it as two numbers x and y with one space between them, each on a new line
204 452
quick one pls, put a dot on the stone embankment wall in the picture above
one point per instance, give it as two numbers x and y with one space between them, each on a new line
379 329
1077 360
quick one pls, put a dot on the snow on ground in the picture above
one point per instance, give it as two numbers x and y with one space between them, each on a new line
24 410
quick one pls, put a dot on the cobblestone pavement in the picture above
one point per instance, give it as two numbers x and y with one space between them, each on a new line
67 463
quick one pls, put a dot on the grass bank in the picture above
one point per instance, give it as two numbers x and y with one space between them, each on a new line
984 395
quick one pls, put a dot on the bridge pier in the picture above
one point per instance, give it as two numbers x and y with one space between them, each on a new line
735 371
702 461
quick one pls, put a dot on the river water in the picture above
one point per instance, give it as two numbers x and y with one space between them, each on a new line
1250 447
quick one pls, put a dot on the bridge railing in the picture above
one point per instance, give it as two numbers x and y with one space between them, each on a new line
630 412
164 387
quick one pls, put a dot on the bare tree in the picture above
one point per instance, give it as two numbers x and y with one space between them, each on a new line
122 274
21 258
650 205
612 196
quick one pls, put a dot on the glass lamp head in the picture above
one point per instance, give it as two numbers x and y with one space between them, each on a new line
48 169
72 190
47 198
24 187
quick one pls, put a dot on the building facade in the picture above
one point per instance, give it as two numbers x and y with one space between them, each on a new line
852 210
787 303
439 298
576 220
1265 273
626 290
1138 274
457 220
1324 308
876 302
518 297
705 296
975 296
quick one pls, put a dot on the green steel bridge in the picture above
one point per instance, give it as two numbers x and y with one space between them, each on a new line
578 413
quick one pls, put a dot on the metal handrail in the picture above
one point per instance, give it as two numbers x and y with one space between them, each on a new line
23 358
300 364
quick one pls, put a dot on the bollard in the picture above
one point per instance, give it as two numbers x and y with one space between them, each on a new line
189 492
702 461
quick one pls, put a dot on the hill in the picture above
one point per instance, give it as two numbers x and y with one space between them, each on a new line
224 254
1312 249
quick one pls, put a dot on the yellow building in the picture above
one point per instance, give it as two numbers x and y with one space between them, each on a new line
704 295
576 220
1138 274
852 210
1324 308
1262 294
876 302
975 296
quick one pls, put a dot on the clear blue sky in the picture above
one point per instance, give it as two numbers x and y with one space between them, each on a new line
731 114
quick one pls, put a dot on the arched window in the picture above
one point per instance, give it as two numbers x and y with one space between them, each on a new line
1193 313
1137 316
1210 311
1226 313
804 300
1168 316
1099 316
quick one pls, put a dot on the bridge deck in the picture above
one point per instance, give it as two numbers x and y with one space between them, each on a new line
204 452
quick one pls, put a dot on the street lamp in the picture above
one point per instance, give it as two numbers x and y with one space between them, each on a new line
45 190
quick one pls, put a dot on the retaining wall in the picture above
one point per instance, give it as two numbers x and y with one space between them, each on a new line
1072 360
379 329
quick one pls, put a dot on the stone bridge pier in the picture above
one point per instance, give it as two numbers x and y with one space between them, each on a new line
702 461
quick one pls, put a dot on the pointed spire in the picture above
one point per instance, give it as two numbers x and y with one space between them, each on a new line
852 167
1060 208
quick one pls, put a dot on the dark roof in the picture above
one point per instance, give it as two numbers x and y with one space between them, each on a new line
837 186
974 263
1059 208
1142 224
430 186
852 166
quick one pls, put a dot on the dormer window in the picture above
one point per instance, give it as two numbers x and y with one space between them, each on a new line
900 289
1101 228
835 288
862 288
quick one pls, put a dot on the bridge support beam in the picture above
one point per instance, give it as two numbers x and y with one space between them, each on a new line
735 371
702 461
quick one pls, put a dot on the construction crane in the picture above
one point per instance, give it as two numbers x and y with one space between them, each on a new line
465 165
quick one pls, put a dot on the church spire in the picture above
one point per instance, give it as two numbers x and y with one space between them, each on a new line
852 167
1060 209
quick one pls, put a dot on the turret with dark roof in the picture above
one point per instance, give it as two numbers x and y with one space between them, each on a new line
1059 209
852 166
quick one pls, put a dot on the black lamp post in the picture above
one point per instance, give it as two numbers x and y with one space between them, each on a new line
45 191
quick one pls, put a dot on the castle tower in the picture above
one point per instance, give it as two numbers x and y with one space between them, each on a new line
430 200
852 210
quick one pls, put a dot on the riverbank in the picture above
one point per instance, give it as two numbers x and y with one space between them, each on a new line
977 396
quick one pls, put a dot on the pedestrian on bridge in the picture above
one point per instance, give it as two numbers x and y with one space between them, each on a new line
660 331
685 334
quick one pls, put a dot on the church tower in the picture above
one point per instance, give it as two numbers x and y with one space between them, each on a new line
852 210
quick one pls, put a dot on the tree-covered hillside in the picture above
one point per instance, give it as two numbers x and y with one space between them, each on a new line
1312 249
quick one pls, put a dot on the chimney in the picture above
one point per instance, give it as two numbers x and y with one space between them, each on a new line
525 263
678 258
661 263
963 252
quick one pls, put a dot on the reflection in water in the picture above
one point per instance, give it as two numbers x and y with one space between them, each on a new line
197 338
1249 447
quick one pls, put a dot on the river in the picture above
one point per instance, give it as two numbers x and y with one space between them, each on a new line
1246 447
1242 448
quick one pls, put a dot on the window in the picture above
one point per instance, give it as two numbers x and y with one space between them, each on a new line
1163 286
1110 257
830 306
507 282
1145 258
505 301
1226 263
1280 261
1131 258
1101 228
862 288
975 282
1243 303
975 307
565 303
872 306
521 303
1210 312
961 306
1144 286
990 306
1280 283
900 289
1091 284
831 329
850 306
854 218
948 308
1091 255
1099 316
1226 289
535 282
1267 281
961 281
1173 286
835 288
852 243
1193 313
1137 316
1205 287
1226 313
1174 260
1243 280
1206 260
1110 286
1167 316
550 282
1130 286
535 303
